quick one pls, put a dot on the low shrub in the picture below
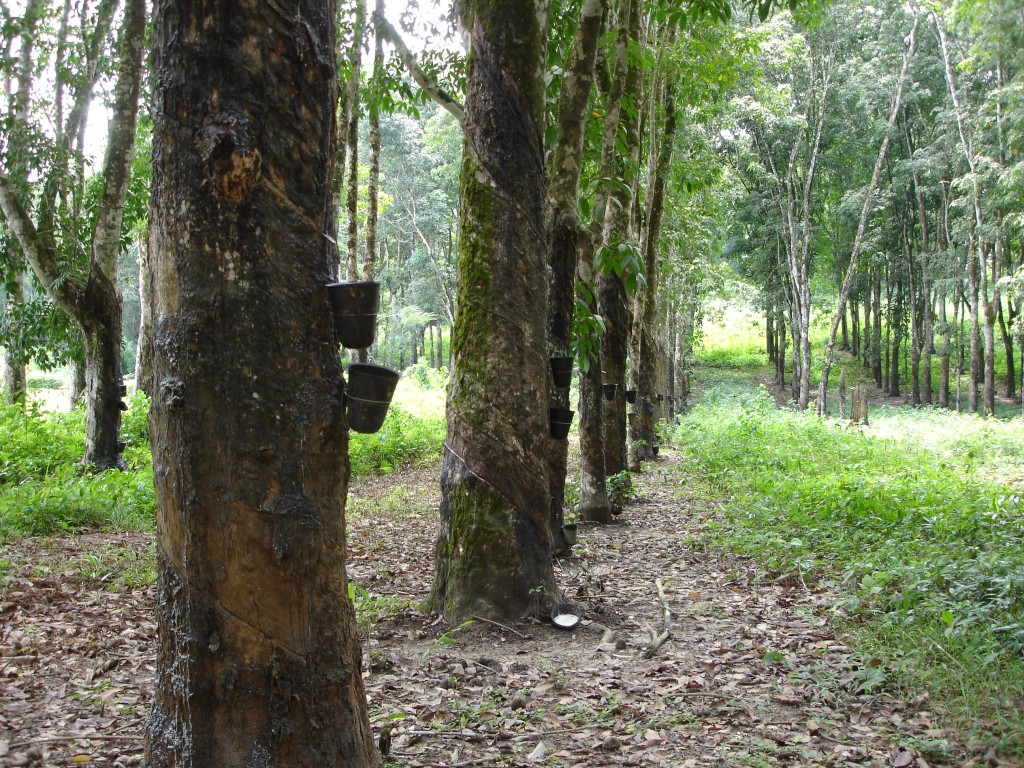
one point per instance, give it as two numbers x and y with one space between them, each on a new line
404 439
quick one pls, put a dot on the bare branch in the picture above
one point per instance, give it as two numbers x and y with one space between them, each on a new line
432 89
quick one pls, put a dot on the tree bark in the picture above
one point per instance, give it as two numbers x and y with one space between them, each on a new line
20 102
566 240
642 429
14 366
617 232
352 144
144 344
259 658
373 182
493 553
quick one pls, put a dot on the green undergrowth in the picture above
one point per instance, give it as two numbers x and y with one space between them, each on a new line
44 489
413 431
918 518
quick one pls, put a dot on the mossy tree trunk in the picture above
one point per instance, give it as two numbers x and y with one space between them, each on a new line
259 660
568 240
494 547
642 434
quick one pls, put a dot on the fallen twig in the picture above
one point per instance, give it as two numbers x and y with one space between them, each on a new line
502 626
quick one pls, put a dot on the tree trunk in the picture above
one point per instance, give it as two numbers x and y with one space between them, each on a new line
565 241
896 330
643 435
18 91
14 366
494 548
259 657
944 351
859 408
373 182
144 345
616 232
876 330
973 308
76 383
352 144
92 302
988 312
1008 351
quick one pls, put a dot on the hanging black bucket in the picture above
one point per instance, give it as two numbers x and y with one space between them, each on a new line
630 396
609 391
369 393
354 306
660 398
561 420
561 371
654 450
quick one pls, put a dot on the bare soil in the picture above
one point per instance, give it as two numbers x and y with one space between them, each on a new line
749 674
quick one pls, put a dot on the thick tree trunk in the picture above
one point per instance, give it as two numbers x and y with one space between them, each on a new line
259 658
494 548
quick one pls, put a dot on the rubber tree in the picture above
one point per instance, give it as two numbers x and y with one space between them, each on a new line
569 241
90 297
493 553
618 256
642 434
258 658
18 96
858 242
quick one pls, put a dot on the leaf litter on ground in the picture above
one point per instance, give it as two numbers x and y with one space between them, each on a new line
750 673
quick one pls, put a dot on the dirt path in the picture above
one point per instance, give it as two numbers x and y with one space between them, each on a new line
750 674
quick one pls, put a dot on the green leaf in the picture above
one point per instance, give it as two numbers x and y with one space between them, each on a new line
550 136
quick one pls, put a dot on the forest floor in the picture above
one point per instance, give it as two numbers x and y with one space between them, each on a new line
751 674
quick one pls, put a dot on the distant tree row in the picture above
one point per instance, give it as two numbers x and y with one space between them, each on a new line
878 155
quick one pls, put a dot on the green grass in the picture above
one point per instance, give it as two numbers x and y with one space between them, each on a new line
43 490
732 338
914 517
